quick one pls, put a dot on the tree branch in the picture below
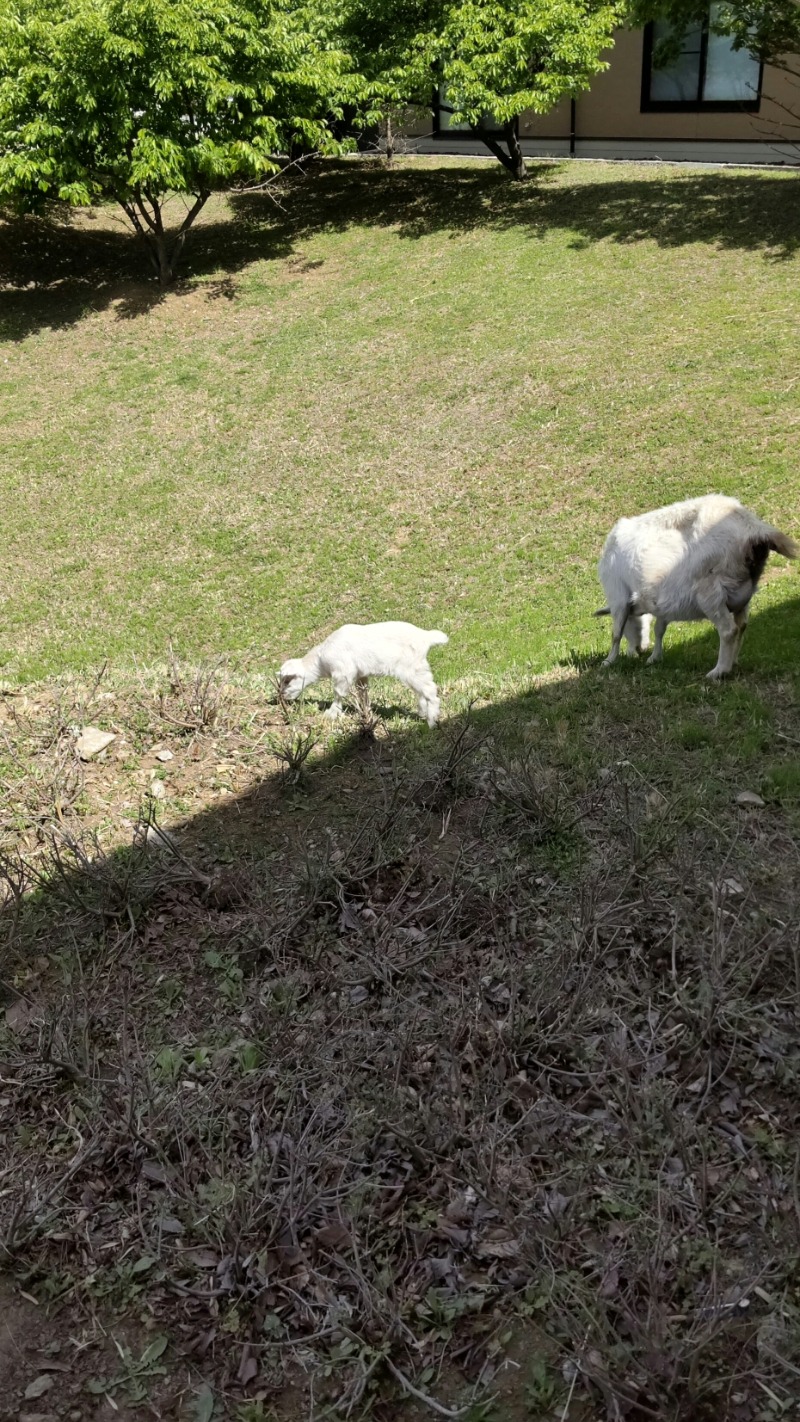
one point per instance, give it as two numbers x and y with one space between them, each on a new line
133 217
143 210
197 206
494 147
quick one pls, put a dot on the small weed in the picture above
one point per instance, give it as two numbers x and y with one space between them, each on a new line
541 1387
227 972
254 1412
366 718
192 702
292 750
132 1379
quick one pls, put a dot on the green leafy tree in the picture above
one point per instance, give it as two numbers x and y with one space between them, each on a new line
134 100
770 29
503 58
495 57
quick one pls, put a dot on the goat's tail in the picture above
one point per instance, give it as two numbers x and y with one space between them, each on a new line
437 639
783 544
602 612
759 546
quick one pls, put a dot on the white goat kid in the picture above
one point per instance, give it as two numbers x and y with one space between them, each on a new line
698 559
353 653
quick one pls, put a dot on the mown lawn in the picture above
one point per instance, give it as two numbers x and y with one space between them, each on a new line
424 394
370 1071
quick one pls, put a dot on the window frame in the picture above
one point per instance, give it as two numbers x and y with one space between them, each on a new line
439 132
692 106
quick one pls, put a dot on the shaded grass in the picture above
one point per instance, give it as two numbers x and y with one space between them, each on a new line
423 394
468 1058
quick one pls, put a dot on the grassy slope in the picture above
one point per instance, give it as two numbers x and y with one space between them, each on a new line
425 394
542 951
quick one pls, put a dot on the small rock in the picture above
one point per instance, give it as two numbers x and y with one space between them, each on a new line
412 935
20 1014
358 994
39 1386
157 789
749 797
732 886
655 802
165 755
91 742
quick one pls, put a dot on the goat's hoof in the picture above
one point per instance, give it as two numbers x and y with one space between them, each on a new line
609 662
717 675
652 660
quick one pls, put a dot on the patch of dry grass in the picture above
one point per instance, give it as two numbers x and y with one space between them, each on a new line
465 1065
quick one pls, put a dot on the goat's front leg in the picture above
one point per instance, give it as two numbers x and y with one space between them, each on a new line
634 633
342 687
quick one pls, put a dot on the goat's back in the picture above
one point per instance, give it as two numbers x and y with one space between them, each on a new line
376 641
657 558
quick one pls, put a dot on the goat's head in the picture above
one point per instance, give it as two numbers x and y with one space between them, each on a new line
293 678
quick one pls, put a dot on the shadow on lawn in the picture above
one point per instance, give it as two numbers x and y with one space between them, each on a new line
447 1031
56 272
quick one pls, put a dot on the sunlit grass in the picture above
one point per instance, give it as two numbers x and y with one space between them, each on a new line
423 395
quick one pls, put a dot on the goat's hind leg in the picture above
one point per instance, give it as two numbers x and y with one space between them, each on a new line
619 620
423 684
714 606
741 620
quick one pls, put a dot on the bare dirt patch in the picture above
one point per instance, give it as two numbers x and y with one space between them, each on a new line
427 1070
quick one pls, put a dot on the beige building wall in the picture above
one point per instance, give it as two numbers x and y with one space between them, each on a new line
608 121
612 107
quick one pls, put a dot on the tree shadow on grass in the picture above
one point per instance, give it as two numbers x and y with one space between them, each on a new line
437 1030
55 272
758 212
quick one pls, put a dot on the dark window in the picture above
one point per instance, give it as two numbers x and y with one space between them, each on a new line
444 123
706 74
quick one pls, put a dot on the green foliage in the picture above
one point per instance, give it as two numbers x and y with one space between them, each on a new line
769 28
494 57
526 54
131 99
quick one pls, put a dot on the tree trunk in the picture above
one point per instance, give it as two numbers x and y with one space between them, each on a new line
389 142
148 224
514 159
164 264
518 169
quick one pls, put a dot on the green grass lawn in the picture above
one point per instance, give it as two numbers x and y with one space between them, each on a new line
423 394
464 1062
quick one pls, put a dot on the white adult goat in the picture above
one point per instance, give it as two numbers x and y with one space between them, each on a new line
698 559
353 653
